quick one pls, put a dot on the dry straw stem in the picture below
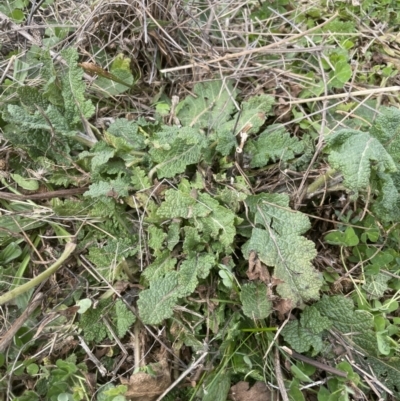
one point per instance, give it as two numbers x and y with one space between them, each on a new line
279 375
365 92
315 363
22 31
16 28
183 375
263 49
10 295
372 378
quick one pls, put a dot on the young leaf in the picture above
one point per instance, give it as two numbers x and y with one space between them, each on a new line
376 285
274 143
212 106
84 304
157 303
123 318
191 270
160 267
91 323
209 217
252 116
139 179
193 241
341 74
384 343
306 334
256 304
128 130
175 149
219 223
119 79
73 90
347 238
173 235
29 184
157 237
100 154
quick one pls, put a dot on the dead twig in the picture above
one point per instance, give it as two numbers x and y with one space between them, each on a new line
279 376
61 193
9 335
183 375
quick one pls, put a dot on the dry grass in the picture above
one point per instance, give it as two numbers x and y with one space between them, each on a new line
173 45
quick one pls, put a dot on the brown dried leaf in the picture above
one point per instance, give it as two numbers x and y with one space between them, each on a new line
276 281
283 306
256 270
93 69
145 387
259 392
69 312
121 285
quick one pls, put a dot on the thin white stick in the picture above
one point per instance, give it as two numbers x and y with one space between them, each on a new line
100 367
182 376
364 92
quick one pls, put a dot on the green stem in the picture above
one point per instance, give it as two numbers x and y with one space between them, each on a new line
152 171
321 181
84 140
137 153
133 163
8 296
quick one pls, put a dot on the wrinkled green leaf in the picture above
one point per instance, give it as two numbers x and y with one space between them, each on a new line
274 143
73 90
161 266
123 318
355 154
157 303
175 149
305 334
113 189
279 244
218 388
256 304
376 285
253 114
340 312
212 106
